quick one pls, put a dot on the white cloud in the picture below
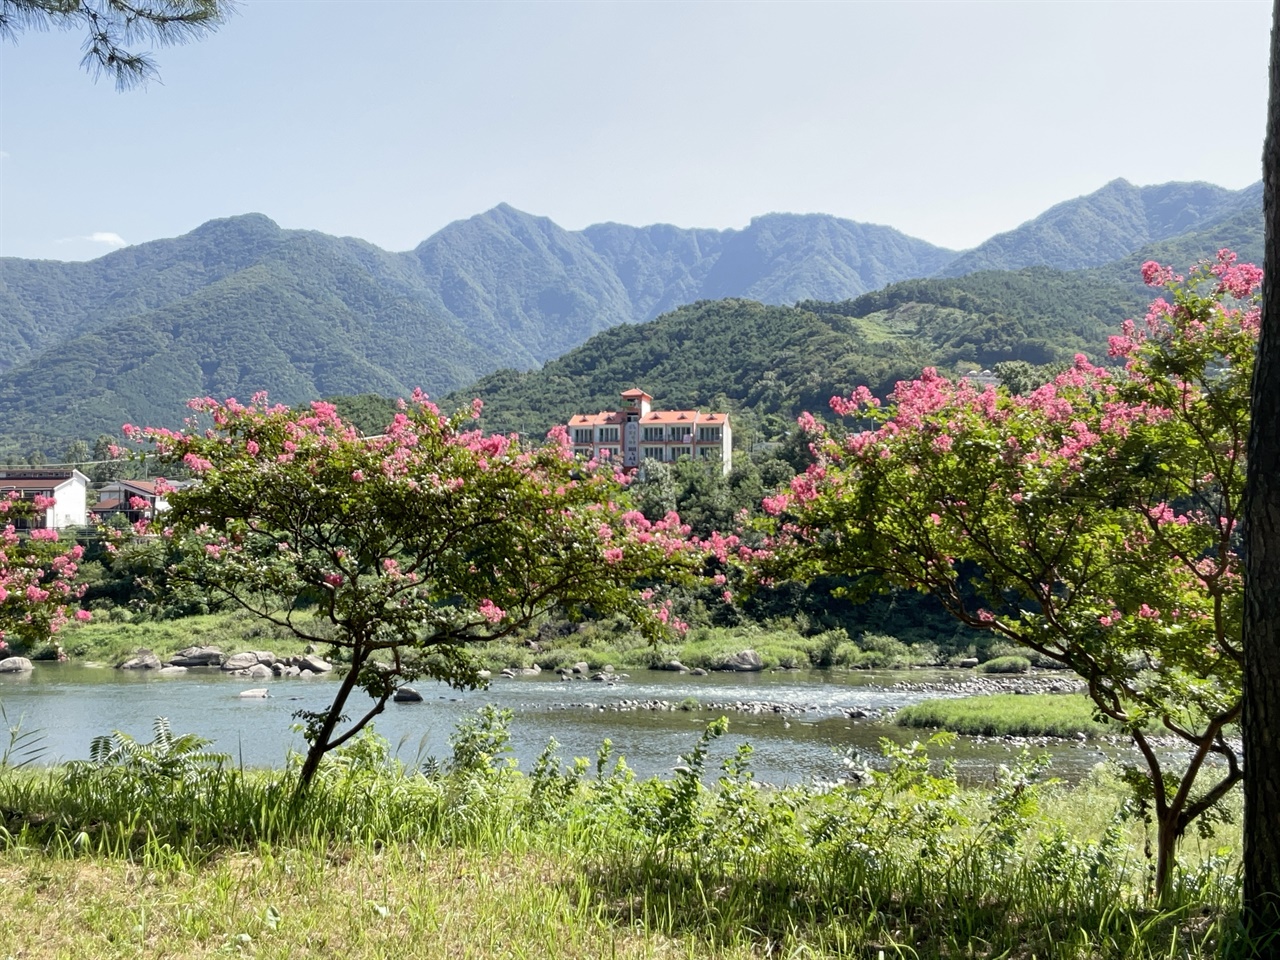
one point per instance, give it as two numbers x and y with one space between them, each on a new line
101 236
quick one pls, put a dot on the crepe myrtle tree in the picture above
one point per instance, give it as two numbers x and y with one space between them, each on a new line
1092 520
411 544
38 587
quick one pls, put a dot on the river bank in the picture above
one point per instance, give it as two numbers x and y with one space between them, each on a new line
569 862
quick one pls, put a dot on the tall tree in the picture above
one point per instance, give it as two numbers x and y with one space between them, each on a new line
1261 721
112 25
1093 520
399 550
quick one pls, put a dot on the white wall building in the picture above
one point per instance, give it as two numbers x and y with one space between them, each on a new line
68 488
637 433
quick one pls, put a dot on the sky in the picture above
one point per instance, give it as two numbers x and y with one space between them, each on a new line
385 120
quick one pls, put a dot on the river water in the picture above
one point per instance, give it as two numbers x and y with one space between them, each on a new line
796 720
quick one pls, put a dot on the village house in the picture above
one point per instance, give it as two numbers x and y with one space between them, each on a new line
135 499
637 433
68 489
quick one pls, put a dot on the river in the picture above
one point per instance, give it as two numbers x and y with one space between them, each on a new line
802 729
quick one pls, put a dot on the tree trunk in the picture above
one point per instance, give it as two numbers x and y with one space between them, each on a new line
1261 719
1168 833
320 745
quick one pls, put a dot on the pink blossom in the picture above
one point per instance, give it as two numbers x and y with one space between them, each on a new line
490 610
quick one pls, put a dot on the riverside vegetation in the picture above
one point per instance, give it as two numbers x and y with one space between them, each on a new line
163 848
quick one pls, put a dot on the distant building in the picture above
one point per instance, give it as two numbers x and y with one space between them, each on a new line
136 499
637 433
67 488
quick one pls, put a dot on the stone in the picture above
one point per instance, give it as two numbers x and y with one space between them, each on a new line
312 662
142 660
305 674
746 661
969 662
257 693
582 667
260 671
674 666
407 695
483 674
197 657
16 665
697 672
241 661
171 671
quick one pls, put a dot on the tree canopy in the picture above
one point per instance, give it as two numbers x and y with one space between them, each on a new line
404 546
1093 520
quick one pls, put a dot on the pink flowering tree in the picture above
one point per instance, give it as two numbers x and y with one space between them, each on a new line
1093 521
38 587
410 544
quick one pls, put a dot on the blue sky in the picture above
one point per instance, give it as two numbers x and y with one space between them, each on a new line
386 120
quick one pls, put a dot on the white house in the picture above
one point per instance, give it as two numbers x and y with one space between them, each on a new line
68 488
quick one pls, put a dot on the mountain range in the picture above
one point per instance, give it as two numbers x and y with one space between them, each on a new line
239 305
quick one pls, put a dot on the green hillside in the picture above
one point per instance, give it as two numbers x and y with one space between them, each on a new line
768 363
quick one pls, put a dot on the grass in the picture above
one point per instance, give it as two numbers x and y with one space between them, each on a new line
160 849
1007 715
106 640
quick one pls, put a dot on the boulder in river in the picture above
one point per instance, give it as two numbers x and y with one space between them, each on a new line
675 666
407 695
197 657
312 662
247 660
257 693
142 660
16 665
746 661
171 671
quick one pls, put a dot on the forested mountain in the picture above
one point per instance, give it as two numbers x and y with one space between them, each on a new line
240 305
1108 225
768 363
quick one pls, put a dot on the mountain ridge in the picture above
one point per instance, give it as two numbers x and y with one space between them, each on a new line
301 313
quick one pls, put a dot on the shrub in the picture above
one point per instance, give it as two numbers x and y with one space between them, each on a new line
1006 665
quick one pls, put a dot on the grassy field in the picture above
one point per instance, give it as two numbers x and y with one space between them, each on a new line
159 850
1007 715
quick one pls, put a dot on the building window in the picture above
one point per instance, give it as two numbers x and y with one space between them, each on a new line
709 453
706 434
653 453
608 434
678 452
582 435
653 433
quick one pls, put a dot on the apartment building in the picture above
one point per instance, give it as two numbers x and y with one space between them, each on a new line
637 433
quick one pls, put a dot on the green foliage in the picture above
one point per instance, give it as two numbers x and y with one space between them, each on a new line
1013 664
1007 715
411 545
1092 521
904 857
